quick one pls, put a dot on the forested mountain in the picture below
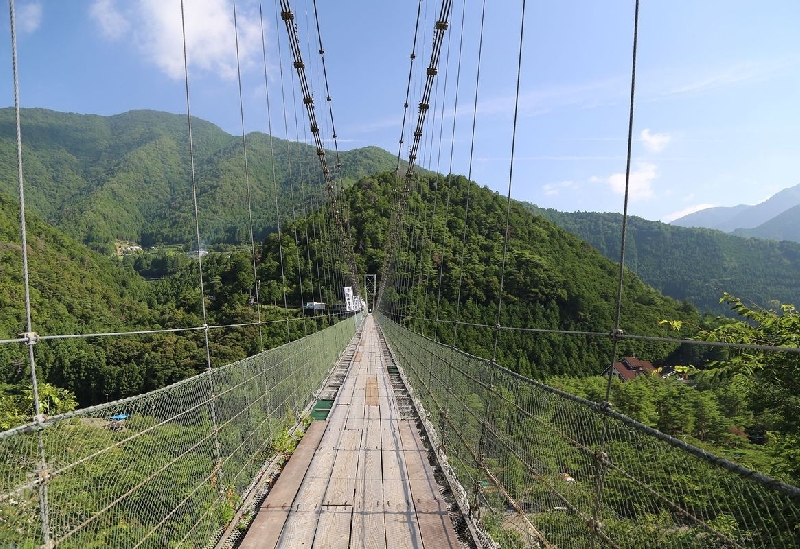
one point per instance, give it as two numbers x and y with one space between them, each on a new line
785 226
770 219
552 279
77 291
710 218
692 264
127 176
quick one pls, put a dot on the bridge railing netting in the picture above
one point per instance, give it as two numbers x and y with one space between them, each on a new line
172 468
545 469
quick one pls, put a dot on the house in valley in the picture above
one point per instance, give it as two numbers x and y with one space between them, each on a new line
630 367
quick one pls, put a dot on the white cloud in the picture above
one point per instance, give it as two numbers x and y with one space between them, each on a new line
546 99
641 179
553 189
112 22
686 211
29 16
654 142
701 79
154 27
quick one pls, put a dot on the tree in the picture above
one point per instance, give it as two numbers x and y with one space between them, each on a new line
775 400
16 403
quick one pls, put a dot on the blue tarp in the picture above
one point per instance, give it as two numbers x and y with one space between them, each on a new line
119 417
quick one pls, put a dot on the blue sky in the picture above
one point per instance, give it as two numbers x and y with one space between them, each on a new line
717 113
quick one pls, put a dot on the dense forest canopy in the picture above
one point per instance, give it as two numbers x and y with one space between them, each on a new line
75 290
692 264
127 177
552 279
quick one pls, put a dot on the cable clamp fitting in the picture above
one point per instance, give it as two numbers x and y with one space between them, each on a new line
43 474
31 338
594 525
602 458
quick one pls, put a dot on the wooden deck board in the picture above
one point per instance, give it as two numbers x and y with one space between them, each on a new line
269 522
433 517
333 528
368 483
402 529
368 524
341 485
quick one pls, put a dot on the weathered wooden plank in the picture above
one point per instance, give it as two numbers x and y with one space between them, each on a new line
436 527
333 528
265 530
268 524
299 529
402 530
368 522
283 493
341 485
371 391
355 421
436 530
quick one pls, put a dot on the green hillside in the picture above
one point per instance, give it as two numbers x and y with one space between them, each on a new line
78 291
692 264
127 176
553 280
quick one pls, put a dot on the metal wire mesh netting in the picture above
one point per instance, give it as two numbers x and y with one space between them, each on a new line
164 469
545 469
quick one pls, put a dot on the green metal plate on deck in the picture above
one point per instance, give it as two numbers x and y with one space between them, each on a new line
321 409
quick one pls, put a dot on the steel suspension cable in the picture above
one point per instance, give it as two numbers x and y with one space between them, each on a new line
305 199
327 89
194 186
428 232
275 186
247 179
30 337
212 408
444 180
440 28
287 15
388 269
336 172
510 180
601 458
408 85
450 179
301 174
621 271
469 171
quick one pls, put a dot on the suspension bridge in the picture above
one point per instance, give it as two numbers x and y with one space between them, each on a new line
396 439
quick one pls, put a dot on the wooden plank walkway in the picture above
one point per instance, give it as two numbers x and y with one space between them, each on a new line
365 482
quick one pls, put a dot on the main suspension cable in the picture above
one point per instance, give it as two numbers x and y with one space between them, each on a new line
287 15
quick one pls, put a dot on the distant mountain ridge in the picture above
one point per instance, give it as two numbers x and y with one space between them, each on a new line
695 264
777 218
127 176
